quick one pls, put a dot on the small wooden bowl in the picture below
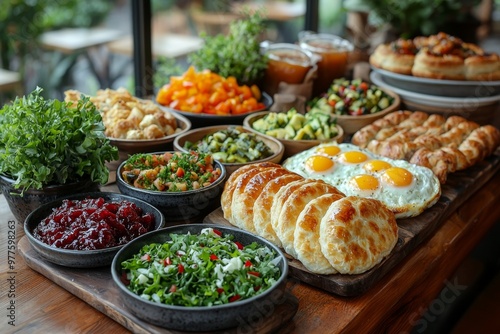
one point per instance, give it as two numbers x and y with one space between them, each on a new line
351 124
291 146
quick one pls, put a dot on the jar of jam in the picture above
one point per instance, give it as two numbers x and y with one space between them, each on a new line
333 51
287 63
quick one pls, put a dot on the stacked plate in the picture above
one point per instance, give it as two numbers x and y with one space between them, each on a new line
475 100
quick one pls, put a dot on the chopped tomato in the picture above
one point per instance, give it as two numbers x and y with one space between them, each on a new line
213 257
248 263
173 288
146 257
234 298
239 245
180 172
220 291
254 273
219 233
180 268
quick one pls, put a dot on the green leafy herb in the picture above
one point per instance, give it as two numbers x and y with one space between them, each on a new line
46 142
201 270
237 54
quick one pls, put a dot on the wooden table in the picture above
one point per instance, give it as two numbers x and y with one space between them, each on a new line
90 42
163 45
394 304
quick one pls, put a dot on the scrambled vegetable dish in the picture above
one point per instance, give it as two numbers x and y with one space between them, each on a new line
201 270
171 171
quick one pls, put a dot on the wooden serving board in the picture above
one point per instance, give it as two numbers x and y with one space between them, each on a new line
96 287
412 231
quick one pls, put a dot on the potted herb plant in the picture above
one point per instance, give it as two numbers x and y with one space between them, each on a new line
50 148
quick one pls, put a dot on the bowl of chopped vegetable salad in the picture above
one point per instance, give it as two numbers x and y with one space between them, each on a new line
232 145
355 103
200 277
183 186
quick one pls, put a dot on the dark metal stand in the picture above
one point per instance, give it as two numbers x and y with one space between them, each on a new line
312 15
143 63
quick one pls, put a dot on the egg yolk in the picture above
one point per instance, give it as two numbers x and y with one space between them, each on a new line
319 163
366 182
376 165
354 157
329 150
398 177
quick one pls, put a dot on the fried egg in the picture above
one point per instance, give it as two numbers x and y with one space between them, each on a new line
405 188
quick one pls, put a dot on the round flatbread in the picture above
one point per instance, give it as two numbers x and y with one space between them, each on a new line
356 233
306 235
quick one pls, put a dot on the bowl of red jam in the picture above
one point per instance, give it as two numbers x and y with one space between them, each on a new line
87 230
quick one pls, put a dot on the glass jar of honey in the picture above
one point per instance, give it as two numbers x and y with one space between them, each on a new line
334 53
287 63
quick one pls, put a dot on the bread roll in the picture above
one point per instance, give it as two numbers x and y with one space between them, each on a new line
356 233
306 235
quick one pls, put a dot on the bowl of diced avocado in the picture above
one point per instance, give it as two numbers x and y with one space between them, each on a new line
231 145
355 103
297 132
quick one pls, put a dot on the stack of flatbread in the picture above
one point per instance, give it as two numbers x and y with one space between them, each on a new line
311 220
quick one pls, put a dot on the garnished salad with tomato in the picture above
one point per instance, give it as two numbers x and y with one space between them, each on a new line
205 269
352 97
170 171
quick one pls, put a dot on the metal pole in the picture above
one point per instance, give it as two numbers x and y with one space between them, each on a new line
141 29
312 15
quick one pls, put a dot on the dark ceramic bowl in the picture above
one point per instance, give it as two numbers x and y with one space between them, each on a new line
81 258
199 120
236 314
22 206
185 206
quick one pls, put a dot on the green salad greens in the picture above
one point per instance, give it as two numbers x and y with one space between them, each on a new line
201 270
47 142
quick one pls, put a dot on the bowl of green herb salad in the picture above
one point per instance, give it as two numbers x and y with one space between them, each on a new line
200 277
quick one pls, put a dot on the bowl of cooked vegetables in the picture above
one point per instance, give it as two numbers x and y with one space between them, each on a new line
206 98
297 132
183 186
200 277
232 145
87 230
355 103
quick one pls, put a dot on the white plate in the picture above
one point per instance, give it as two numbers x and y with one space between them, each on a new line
455 103
438 87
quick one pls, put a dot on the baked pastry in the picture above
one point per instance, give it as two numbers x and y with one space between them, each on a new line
306 235
444 145
356 233
289 210
397 57
294 203
438 66
263 205
439 56
242 206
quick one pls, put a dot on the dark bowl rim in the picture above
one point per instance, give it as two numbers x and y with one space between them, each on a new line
94 194
283 277
266 99
160 140
215 184
243 128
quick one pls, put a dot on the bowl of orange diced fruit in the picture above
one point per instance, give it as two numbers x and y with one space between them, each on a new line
206 98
